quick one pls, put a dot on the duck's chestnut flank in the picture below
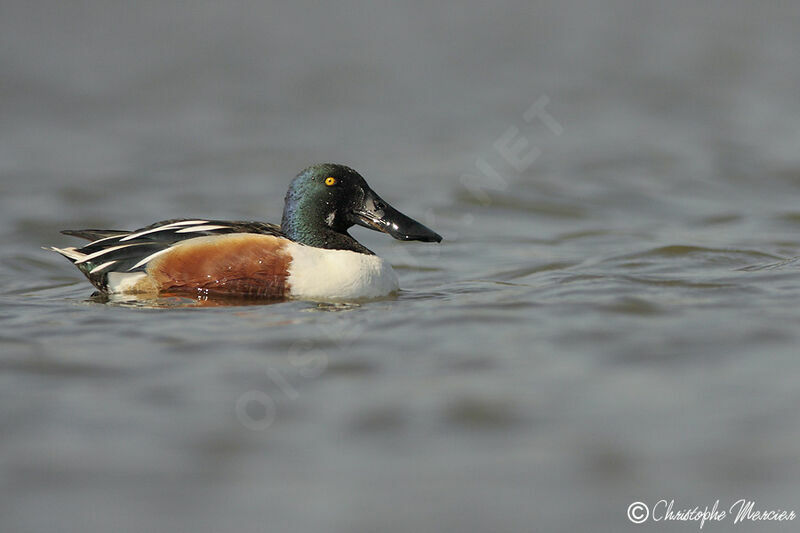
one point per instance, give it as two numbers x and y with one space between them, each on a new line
243 264
310 255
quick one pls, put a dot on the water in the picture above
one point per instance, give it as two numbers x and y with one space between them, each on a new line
616 321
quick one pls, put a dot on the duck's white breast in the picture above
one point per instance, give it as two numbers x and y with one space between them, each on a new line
320 274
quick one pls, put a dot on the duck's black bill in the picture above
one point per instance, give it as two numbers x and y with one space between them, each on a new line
376 214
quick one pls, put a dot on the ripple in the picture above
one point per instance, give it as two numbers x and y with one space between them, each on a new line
46 367
771 266
416 268
689 284
678 250
476 412
381 420
513 203
792 217
526 271
634 306
720 220
351 368
706 256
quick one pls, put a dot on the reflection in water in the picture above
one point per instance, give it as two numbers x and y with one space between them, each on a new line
188 300
167 301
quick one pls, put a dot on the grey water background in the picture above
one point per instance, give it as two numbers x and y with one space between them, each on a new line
618 322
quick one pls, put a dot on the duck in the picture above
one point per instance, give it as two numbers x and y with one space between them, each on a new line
309 256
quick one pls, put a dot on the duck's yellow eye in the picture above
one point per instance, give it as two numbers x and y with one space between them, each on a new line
330 180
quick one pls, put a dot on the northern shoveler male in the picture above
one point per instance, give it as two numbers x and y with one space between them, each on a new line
309 256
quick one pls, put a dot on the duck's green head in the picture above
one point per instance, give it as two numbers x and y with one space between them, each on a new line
326 200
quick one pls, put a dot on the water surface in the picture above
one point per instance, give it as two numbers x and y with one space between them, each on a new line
615 321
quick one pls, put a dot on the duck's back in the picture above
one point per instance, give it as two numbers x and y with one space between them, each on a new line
124 261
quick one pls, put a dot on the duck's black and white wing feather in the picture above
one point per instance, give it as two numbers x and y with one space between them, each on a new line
122 252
